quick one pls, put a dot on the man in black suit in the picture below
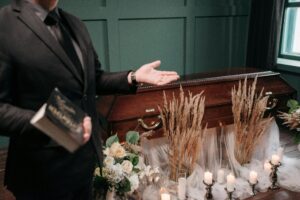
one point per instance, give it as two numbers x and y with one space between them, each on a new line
43 47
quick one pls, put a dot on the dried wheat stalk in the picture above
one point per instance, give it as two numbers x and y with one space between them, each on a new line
248 111
182 124
292 120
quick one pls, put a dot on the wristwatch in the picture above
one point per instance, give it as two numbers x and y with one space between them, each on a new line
133 78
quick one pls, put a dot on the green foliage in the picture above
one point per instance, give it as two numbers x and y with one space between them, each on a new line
123 186
133 158
132 137
293 105
112 139
100 183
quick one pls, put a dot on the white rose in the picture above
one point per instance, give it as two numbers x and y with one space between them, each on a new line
134 182
106 151
116 150
109 161
97 171
127 166
116 173
118 169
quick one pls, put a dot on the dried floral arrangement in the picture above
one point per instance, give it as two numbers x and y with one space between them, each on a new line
248 109
182 124
292 118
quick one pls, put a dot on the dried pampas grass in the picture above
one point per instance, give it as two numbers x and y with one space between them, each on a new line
292 120
249 124
182 124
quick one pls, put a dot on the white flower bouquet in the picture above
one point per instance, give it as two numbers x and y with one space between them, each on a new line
122 167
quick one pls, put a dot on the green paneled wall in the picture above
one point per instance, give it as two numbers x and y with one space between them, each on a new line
186 35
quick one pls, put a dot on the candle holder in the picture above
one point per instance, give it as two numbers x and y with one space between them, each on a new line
273 176
229 194
208 188
254 191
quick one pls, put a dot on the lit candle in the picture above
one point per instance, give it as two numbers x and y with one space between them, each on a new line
164 195
275 159
208 178
181 188
253 177
221 176
267 167
230 183
280 151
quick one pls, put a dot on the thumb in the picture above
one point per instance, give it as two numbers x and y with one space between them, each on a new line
155 64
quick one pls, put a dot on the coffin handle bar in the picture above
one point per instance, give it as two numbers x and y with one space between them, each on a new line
151 127
272 102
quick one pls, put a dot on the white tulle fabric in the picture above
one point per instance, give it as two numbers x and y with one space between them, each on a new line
218 152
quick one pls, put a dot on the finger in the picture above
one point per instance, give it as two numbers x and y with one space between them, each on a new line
86 137
155 64
168 80
87 129
167 73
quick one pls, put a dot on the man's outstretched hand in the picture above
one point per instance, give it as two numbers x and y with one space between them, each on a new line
148 73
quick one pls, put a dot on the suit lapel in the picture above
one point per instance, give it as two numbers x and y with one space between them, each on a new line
38 27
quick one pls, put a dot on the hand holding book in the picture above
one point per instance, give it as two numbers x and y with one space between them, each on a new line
63 121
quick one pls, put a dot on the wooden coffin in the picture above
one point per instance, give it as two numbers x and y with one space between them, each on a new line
140 111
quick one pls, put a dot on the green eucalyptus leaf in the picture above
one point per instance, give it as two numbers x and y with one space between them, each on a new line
132 137
292 104
135 160
112 139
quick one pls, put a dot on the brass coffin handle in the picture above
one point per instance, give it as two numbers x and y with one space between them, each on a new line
151 127
273 102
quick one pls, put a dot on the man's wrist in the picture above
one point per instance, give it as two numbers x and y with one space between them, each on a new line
132 78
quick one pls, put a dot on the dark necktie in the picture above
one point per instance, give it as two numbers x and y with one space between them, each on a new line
64 38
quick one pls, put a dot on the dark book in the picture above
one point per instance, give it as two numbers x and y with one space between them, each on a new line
61 120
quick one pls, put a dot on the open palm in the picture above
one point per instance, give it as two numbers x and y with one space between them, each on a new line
149 74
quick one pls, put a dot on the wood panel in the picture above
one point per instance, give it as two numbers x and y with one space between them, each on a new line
167 41
182 33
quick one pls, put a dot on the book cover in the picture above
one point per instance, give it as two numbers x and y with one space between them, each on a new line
61 120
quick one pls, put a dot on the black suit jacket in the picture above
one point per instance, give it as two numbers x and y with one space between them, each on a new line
32 63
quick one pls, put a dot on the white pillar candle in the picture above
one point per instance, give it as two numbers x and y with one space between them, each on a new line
267 167
221 176
275 159
165 196
181 188
208 178
280 151
253 177
230 183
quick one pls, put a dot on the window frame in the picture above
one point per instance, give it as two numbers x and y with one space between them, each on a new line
286 6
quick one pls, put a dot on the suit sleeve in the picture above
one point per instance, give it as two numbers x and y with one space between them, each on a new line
13 120
112 82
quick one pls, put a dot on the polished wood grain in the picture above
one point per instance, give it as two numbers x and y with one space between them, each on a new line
125 110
